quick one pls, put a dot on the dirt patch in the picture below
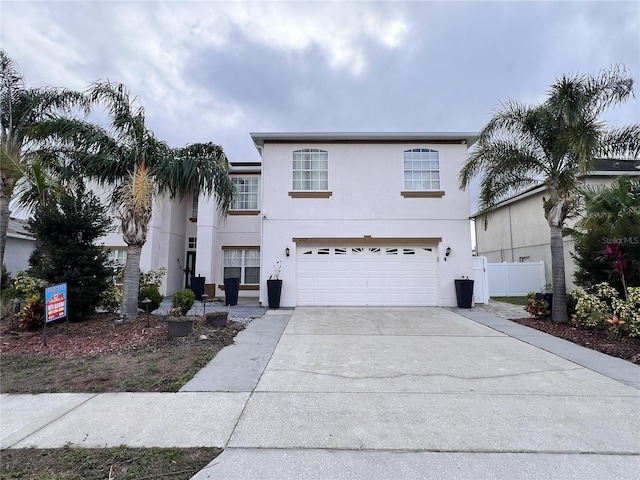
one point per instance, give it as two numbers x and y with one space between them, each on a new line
100 355
627 348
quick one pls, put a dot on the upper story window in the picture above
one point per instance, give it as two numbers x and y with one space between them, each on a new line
246 193
310 170
194 205
421 169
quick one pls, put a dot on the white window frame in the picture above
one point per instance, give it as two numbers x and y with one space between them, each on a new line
247 193
243 259
310 170
118 256
421 169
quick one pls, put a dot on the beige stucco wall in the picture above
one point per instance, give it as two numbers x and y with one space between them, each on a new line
519 229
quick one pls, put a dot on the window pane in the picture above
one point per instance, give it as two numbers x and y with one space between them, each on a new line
194 206
233 258
246 193
310 169
421 169
252 258
232 272
252 275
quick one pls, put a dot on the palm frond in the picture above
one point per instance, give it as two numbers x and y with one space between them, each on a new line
39 184
194 169
621 143
612 87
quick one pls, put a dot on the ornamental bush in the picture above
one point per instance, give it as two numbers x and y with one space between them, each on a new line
183 300
605 309
111 299
152 293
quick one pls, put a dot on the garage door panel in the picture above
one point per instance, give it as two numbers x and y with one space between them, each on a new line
367 276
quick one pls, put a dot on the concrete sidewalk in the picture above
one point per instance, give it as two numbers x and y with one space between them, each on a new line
371 393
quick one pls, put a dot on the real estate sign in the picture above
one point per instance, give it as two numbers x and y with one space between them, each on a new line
55 302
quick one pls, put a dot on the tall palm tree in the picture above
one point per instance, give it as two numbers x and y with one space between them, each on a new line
552 143
136 168
22 110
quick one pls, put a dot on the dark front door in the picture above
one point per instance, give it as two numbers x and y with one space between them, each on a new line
189 268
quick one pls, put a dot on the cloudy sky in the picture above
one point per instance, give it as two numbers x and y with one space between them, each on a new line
215 71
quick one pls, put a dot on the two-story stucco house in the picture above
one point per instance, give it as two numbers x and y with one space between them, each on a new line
345 218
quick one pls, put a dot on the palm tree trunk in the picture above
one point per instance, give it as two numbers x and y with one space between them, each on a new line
559 307
131 283
5 213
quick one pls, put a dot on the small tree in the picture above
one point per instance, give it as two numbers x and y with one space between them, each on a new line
65 251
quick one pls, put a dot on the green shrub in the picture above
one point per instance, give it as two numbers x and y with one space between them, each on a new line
184 300
27 286
66 230
8 294
152 293
153 278
605 309
31 317
111 299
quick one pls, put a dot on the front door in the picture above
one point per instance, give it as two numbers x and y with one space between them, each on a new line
189 268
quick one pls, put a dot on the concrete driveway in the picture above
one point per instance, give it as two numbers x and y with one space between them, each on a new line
372 393
408 393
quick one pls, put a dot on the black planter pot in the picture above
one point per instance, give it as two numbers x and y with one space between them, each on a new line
197 285
231 286
464 292
274 290
179 328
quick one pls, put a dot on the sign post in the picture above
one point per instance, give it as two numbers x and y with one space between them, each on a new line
55 305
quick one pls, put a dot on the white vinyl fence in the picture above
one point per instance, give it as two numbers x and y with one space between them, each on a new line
480 280
515 279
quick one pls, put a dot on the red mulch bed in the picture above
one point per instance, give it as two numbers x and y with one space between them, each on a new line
99 334
627 348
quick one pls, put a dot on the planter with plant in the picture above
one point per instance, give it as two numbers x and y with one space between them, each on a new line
179 325
274 286
183 300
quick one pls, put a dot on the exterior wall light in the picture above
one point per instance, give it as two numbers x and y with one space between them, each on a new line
447 252
286 251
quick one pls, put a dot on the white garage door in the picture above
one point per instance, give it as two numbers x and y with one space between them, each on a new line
367 275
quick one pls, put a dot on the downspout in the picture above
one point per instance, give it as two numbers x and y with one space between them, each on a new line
261 199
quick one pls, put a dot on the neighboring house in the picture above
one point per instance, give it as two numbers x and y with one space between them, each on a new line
20 243
347 218
518 231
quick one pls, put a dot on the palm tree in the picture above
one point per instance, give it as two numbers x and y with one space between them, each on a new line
136 168
608 235
552 143
22 110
